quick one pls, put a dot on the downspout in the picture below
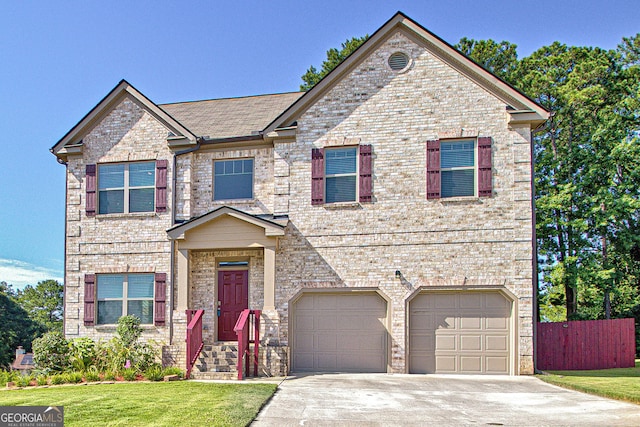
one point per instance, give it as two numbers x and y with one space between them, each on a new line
64 270
173 222
534 261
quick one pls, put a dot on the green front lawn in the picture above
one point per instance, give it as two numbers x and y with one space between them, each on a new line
621 383
183 403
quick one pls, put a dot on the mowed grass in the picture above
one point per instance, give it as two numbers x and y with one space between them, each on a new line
184 403
619 383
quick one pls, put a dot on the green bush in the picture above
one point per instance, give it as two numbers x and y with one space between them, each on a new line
109 376
82 353
58 379
51 352
172 370
154 373
92 374
129 330
73 377
8 376
23 380
129 374
42 380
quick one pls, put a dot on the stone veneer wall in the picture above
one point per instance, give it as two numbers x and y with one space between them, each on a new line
432 242
115 243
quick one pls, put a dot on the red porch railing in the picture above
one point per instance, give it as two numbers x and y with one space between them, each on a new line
246 336
194 338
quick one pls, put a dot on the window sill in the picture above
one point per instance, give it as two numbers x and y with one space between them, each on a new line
460 200
127 215
235 201
112 328
342 205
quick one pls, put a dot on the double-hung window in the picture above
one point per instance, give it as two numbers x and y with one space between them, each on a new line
126 187
458 168
340 174
233 179
125 294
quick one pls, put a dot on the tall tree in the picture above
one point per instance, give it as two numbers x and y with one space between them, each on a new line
334 58
499 58
43 303
17 328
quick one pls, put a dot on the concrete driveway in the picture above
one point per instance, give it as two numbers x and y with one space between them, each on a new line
437 400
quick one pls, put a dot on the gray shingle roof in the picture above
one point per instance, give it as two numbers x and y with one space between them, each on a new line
229 117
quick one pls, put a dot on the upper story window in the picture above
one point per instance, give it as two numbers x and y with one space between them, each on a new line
340 174
126 187
125 294
233 179
459 168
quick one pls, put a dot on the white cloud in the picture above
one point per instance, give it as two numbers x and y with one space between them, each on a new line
20 273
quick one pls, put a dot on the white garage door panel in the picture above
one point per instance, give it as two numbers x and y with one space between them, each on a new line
339 333
459 332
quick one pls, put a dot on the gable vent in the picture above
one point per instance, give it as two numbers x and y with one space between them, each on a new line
398 61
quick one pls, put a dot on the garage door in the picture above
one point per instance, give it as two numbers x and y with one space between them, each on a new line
341 332
463 332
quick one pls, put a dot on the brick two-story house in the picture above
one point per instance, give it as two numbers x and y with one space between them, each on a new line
381 222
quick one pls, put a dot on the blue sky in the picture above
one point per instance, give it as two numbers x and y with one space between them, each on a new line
58 59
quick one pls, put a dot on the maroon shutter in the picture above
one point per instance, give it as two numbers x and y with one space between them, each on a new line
90 186
317 176
161 185
365 174
484 167
160 299
433 169
89 299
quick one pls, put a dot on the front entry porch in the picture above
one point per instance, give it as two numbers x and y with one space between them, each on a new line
224 267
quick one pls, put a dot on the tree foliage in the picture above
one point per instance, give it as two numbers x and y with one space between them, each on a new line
500 58
334 58
17 328
43 303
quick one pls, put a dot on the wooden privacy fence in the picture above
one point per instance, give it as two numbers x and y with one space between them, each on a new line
587 344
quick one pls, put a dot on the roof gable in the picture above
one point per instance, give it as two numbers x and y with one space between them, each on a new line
522 108
71 143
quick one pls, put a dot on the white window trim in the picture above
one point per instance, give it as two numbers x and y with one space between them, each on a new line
355 174
474 168
124 299
253 180
126 188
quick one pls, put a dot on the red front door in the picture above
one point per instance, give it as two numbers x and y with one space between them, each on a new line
233 297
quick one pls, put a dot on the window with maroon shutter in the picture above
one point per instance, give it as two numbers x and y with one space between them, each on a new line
89 299
90 188
161 185
433 169
160 299
365 189
485 187
317 176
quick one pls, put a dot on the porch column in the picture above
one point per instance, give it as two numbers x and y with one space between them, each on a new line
183 280
269 278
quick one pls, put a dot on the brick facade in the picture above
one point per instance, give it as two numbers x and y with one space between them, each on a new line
457 243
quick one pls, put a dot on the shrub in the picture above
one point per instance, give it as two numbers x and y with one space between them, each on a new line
129 330
92 374
129 374
82 353
73 377
8 376
23 380
109 376
42 380
154 373
58 379
50 352
172 370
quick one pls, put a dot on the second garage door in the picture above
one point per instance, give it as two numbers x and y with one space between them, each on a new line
460 332
339 332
